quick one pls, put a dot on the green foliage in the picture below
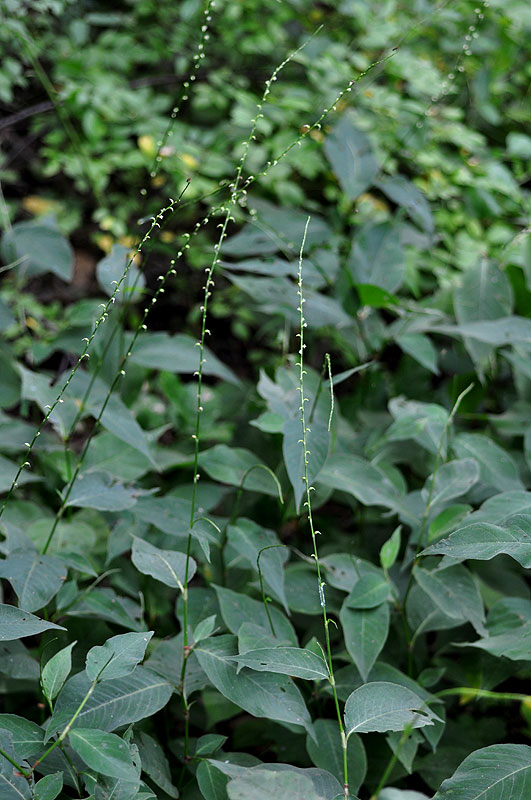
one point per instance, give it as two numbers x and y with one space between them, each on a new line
279 545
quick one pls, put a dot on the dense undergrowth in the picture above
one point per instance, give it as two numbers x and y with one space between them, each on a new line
265 396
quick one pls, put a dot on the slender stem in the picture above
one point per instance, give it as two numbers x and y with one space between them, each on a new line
467 691
308 505
15 764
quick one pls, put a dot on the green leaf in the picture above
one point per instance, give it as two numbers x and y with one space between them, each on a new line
454 591
365 633
49 787
237 608
117 657
113 703
233 465
262 785
407 195
375 297
56 671
262 694
166 566
103 752
40 248
299 663
35 578
390 549
368 592
106 604
382 706
16 623
26 736
177 354
497 332
377 257
401 794
369 484
317 442
16 662
485 293
327 753
452 479
211 781
349 151
154 763
509 630
496 466
483 541
12 785
423 422
248 539
98 490
110 269
492 773
421 349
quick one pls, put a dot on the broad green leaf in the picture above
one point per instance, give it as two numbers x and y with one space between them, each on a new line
327 752
382 706
317 442
56 671
365 632
36 579
423 422
496 467
37 387
485 293
103 752
211 781
497 332
483 541
154 763
449 519
368 592
110 270
177 354
509 630
233 465
349 151
16 662
420 348
16 623
401 191
237 608
113 703
40 248
492 773
106 604
452 479
8 470
108 453
248 539
302 589
377 256
369 484
343 570
401 794
98 490
209 743
12 785
454 591
262 785
26 736
262 694
405 751
117 657
390 549
297 662
166 566
49 787
254 637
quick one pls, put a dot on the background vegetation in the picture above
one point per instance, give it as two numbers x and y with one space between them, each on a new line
330 199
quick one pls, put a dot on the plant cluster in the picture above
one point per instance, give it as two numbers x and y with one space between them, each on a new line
266 526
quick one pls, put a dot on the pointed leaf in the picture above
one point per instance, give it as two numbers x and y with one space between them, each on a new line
233 465
365 632
249 540
56 671
327 752
237 609
26 736
16 623
261 694
36 579
483 541
117 657
299 663
49 787
166 566
349 151
496 466
368 592
98 490
262 785
382 706
390 549
492 773
455 593
103 752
